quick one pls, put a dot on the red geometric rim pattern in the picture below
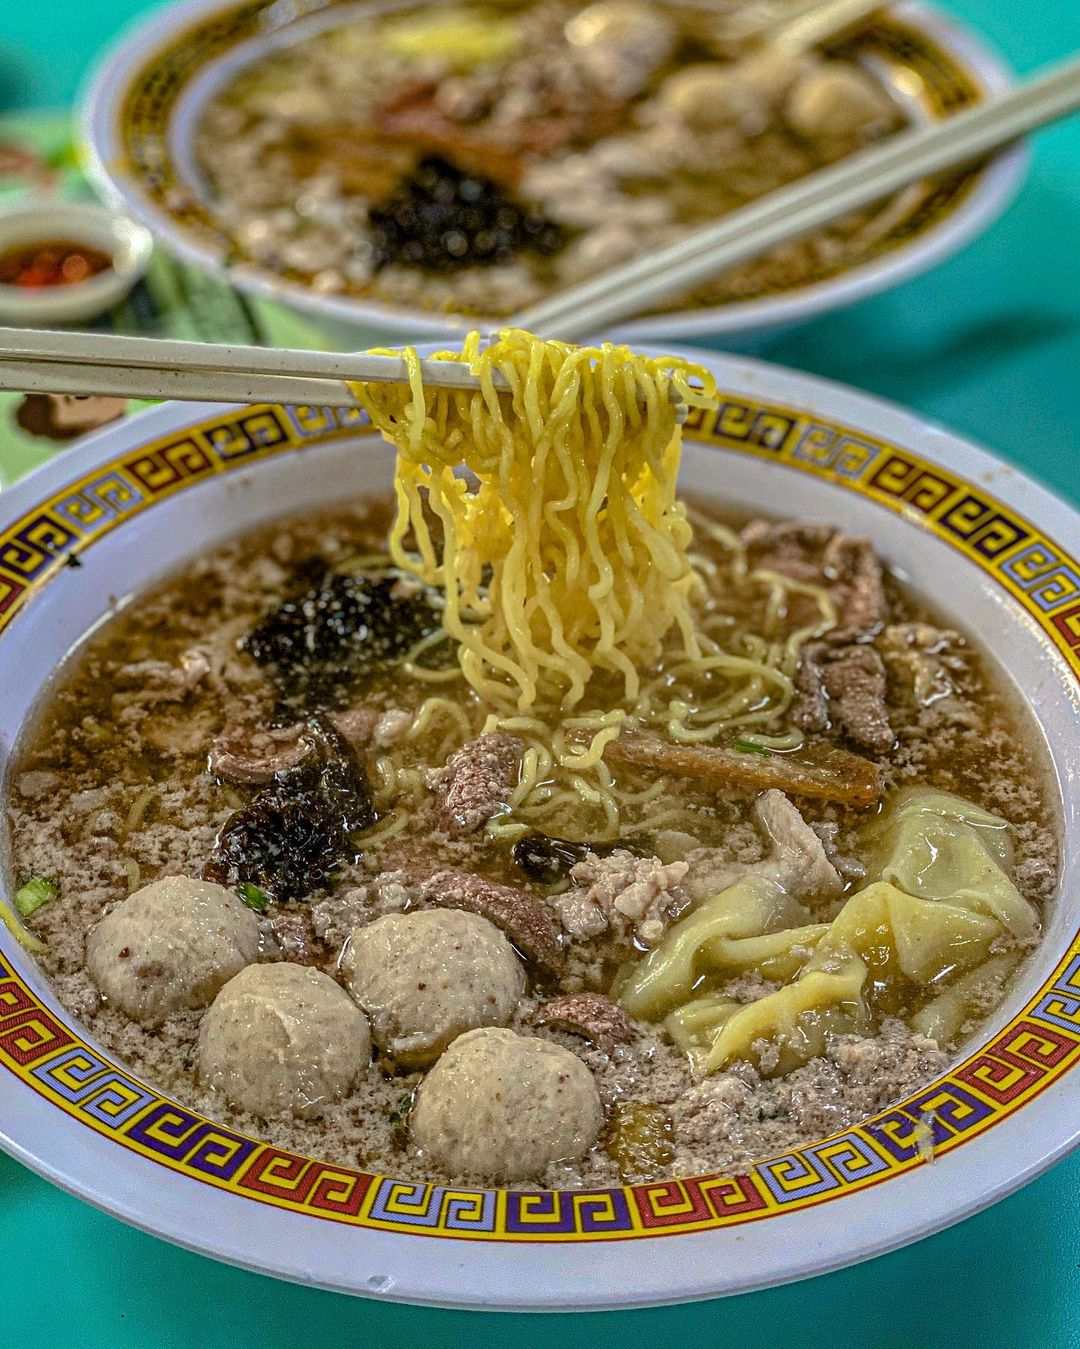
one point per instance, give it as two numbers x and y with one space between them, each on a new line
49 1056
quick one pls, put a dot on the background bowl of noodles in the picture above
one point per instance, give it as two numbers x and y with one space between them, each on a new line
147 107
983 542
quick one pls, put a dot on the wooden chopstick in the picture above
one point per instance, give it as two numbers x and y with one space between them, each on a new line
172 357
804 206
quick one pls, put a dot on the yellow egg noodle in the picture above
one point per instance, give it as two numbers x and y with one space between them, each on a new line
937 928
547 518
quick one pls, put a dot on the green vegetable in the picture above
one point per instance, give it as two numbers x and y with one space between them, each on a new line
750 747
398 1117
400 1113
37 891
22 935
253 896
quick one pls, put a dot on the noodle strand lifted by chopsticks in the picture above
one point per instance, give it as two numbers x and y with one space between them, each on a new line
569 557
562 553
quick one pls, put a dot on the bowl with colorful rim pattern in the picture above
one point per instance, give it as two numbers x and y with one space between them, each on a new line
987 544
143 107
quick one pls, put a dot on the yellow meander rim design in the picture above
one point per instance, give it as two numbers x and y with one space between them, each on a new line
47 1054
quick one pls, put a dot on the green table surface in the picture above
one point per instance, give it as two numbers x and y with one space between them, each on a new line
989 343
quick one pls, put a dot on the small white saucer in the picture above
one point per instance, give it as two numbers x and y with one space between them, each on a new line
127 243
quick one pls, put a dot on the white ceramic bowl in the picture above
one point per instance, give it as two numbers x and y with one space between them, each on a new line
146 98
126 242
989 546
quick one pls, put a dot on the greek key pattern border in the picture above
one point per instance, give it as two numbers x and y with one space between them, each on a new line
1039 573
48 1055
1031 1052
66 524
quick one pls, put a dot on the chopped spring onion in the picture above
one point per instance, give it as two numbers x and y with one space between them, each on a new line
400 1112
22 934
399 1115
253 896
750 747
37 891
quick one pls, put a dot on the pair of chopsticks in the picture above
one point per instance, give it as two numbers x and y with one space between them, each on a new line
804 206
133 367
95 364
38 361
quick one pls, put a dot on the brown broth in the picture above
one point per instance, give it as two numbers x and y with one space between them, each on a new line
261 162
108 793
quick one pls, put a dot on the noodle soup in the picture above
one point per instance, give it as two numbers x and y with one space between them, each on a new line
534 826
462 159
324 837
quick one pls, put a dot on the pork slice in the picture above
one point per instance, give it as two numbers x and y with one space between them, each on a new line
793 548
925 659
845 565
796 860
525 919
476 783
247 755
845 687
810 708
257 757
590 1015
852 569
624 894
156 681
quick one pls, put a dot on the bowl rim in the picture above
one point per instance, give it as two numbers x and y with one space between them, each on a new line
990 192
547 1274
